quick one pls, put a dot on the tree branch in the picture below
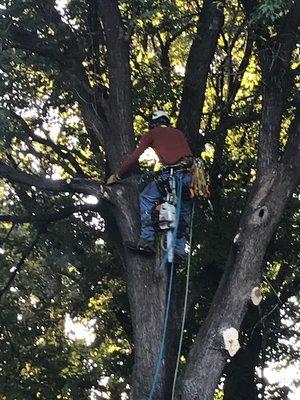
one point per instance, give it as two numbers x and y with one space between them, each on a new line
291 154
69 58
178 32
71 186
18 267
5 238
27 40
232 122
242 68
197 69
119 140
59 150
95 34
275 55
48 217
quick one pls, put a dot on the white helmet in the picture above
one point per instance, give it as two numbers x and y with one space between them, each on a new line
159 114
159 117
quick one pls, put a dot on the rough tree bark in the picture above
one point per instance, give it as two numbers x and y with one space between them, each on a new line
111 123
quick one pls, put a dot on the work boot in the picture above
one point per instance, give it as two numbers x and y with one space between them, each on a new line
143 246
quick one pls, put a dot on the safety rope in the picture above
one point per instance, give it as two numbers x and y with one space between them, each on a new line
168 305
185 303
163 339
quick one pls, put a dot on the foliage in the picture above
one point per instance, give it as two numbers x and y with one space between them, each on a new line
269 10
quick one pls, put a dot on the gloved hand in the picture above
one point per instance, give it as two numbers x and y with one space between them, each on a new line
112 179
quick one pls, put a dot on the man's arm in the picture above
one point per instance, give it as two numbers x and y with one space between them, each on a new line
132 160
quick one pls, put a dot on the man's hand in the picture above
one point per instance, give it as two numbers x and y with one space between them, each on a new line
112 179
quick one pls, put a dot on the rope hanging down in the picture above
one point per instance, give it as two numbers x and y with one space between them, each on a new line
170 284
185 304
163 339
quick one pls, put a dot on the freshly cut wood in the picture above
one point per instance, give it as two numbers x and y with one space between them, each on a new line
231 341
256 296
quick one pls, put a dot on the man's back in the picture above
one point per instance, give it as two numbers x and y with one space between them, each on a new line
170 144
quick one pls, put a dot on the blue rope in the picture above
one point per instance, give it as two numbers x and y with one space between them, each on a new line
168 305
162 343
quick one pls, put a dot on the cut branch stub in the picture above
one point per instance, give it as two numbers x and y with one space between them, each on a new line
231 341
256 296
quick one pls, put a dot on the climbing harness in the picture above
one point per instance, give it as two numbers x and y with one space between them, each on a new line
197 189
163 214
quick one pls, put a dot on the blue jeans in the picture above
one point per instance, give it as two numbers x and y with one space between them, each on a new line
151 195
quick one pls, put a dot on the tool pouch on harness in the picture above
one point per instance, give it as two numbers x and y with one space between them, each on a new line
199 187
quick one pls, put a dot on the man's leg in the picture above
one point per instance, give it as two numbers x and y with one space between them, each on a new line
148 198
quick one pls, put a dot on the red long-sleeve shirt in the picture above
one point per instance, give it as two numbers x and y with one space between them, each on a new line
169 143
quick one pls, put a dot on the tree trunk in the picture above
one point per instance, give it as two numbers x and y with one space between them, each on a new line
147 296
207 356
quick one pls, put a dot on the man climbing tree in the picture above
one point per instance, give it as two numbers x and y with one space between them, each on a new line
175 155
77 79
